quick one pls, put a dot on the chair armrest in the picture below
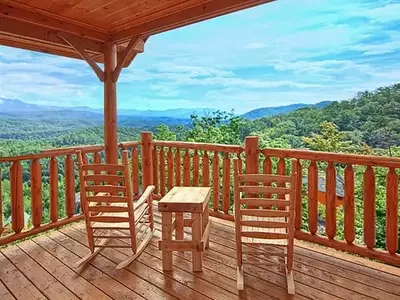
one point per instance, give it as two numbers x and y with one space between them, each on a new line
147 193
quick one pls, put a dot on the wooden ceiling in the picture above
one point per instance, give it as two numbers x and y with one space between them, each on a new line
37 24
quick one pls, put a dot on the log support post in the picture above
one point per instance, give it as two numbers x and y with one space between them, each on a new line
113 65
110 104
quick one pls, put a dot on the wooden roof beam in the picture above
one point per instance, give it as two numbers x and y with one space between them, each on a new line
27 31
16 11
188 16
136 45
82 52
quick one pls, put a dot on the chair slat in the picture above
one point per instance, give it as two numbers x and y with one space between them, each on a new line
264 178
264 235
107 199
104 178
264 213
103 168
106 189
108 208
264 224
265 202
251 189
108 219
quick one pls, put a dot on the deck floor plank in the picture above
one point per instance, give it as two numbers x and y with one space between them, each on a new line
16 282
42 279
78 285
102 281
41 268
124 282
4 293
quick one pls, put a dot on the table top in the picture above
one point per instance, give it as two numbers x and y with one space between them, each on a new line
185 199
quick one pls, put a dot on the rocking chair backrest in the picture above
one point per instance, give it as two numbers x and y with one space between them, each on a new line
264 208
106 194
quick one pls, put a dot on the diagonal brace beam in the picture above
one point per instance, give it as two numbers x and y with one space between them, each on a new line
136 45
82 52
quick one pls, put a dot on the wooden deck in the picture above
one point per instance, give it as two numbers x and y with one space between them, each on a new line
40 269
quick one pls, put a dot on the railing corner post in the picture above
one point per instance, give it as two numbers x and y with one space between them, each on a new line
147 168
251 148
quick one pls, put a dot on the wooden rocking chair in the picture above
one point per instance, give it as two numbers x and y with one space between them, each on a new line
265 225
110 211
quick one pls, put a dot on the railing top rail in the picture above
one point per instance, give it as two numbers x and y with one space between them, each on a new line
200 146
127 145
356 159
53 152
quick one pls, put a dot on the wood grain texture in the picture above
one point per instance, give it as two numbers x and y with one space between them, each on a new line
369 207
349 206
36 192
313 197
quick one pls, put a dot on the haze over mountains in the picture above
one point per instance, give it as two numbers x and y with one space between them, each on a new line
17 107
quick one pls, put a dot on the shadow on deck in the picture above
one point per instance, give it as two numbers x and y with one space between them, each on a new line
40 268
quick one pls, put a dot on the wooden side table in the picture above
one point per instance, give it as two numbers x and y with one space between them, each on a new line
180 200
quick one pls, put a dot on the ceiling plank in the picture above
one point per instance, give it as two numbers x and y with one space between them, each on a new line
33 14
188 16
34 32
11 11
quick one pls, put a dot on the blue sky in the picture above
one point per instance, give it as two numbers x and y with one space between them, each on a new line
280 53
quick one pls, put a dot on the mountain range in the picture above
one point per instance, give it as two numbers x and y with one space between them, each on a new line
22 109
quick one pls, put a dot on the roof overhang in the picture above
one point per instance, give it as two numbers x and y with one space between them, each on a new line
41 25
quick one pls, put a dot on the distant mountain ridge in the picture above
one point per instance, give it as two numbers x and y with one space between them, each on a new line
23 109
15 106
273 111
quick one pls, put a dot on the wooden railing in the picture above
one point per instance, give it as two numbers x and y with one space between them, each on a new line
196 164
359 199
169 163
30 168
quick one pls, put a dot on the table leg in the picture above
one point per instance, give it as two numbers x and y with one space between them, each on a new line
197 228
206 219
166 236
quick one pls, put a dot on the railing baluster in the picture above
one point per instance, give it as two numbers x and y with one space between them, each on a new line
226 183
206 169
331 201
97 160
392 227
170 169
215 179
313 198
299 199
240 162
1 205
369 207
178 167
186 168
196 167
281 170
349 208
267 169
54 188
17 203
135 170
155 169
162 171
36 192
70 184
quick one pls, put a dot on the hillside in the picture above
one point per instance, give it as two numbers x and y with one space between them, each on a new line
272 111
370 117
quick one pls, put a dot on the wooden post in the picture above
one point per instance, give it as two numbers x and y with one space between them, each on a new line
147 169
110 104
251 146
